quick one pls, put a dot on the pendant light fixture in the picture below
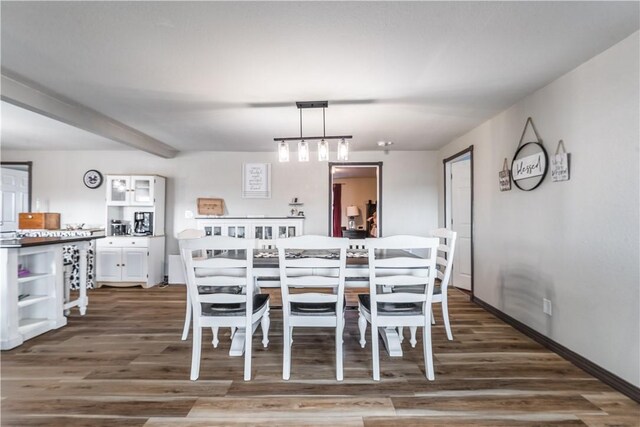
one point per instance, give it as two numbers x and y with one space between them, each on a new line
323 143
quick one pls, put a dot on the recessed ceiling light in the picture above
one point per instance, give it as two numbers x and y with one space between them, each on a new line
384 143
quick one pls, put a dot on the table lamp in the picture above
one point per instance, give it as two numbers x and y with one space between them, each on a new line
352 213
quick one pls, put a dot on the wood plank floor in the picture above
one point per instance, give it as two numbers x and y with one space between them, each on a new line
124 364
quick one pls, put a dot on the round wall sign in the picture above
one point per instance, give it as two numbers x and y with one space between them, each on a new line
92 179
529 166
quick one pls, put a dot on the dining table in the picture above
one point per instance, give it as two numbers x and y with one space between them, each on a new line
267 274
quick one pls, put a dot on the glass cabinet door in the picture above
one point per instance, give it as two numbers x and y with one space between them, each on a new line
258 233
268 233
142 190
118 190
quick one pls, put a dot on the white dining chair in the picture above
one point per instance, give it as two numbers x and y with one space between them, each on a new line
444 265
312 263
399 262
222 263
189 233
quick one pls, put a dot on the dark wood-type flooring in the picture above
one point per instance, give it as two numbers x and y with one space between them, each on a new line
123 364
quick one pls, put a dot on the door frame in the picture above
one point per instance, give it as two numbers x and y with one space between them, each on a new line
377 165
446 180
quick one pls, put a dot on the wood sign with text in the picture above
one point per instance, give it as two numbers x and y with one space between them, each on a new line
560 164
504 177
210 206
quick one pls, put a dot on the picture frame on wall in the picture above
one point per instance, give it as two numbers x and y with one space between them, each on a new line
256 180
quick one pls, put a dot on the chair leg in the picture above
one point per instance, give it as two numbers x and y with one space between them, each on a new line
264 325
445 316
286 352
339 367
291 336
413 341
400 335
375 353
187 319
247 353
428 355
195 351
233 332
362 325
215 342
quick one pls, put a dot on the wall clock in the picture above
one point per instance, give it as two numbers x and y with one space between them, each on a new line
92 179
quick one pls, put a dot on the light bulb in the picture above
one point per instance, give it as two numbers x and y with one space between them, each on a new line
323 151
343 150
283 151
303 151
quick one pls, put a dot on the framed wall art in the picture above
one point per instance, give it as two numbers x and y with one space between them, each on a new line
256 180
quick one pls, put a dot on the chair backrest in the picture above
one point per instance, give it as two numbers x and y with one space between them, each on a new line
446 250
312 262
400 261
218 262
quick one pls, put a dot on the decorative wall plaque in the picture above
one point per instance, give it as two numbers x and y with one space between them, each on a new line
530 163
256 180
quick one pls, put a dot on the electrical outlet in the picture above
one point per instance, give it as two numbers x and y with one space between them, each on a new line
546 306
188 214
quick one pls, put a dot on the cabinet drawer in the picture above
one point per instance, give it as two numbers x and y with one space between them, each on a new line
123 242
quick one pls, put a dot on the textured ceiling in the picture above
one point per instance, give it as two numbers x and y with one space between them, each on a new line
225 75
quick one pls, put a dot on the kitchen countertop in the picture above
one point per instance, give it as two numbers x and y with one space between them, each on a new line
26 242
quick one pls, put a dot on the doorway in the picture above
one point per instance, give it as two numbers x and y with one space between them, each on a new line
355 202
458 213
15 194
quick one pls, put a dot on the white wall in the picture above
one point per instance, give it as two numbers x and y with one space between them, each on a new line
410 180
574 242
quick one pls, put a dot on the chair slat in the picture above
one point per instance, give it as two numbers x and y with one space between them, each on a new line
401 262
223 298
220 263
317 281
401 297
221 281
401 280
313 297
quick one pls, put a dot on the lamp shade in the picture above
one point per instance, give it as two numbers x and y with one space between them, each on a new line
353 211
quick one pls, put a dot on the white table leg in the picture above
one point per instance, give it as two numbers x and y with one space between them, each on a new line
391 341
237 343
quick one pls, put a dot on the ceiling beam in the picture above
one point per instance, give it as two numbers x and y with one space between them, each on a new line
39 100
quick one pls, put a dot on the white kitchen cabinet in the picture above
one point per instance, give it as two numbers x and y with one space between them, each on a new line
130 261
131 190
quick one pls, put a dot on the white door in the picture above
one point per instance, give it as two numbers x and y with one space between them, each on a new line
108 268
460 218
14 198
134 264
142 190
118 190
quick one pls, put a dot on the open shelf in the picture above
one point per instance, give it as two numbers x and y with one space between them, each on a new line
32 299
34 276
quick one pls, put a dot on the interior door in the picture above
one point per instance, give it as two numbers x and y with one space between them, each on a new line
461 222
14 198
